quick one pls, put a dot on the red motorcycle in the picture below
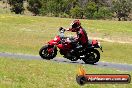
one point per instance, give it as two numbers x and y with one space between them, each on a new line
89 55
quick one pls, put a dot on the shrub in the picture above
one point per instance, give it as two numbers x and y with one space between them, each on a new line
103 12
90 9
76 12
16 6
34 6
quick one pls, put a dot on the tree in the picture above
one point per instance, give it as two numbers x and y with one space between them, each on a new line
90 9
122 8
34 6
77 12
16 6
103 12
54 7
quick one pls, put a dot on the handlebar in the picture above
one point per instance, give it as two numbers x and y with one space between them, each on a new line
64 39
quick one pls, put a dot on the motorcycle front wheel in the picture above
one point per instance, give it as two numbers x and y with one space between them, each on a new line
43 52
92 56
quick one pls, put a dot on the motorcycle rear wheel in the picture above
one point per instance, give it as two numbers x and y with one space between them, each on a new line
92 56
43 52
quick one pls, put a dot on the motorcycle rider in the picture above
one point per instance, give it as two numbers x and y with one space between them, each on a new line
81 38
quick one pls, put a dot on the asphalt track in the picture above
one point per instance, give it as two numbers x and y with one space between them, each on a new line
116 66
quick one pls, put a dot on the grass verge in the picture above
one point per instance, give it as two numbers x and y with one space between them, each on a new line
20 73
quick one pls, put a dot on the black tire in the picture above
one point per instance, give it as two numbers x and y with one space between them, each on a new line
43 51
90 57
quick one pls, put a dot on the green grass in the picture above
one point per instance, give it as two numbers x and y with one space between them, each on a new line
26 34
20 73
116 52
